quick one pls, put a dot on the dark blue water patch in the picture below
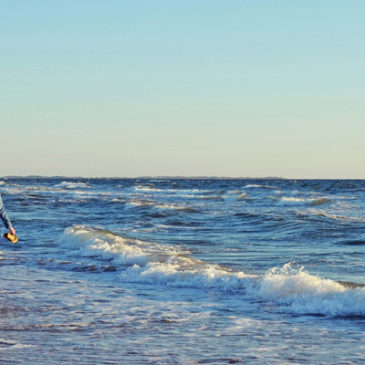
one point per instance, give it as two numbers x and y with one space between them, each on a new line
182 223
159 214
197 242
353 243
247 215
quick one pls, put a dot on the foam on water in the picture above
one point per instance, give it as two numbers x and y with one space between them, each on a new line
290 288
5 344
151 262
203 264
337 217
305 201
259 186
299 292
159 205
72 185
243 196
147 189
89 242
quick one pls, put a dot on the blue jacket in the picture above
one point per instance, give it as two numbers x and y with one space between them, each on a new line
3 215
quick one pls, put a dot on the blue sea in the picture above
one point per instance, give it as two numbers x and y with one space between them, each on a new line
183 271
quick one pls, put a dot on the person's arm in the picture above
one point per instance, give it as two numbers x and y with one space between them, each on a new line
5 217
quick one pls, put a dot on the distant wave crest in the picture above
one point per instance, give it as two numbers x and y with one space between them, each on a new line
313 202
72 185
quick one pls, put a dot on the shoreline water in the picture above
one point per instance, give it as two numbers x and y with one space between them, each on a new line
150 272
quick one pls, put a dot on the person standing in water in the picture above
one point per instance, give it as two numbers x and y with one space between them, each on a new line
4 217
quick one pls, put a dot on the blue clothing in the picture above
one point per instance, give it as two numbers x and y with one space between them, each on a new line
3 215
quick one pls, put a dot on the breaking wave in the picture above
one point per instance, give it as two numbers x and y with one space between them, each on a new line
299 292
313 202
289 288
150 262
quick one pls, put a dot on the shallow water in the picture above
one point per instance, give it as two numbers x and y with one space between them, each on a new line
183 271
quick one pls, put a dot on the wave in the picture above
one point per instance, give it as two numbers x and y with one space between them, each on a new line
249 186
182 193
147 188
150 262
313 202
289 288
211 197
319 201
162 206
354 243
142 203
340 218
243 196
299 292
72 185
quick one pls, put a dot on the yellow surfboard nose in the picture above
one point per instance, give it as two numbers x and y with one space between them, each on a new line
10 237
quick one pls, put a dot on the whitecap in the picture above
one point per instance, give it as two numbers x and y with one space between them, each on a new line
243 196
289 288
258 186
151 262
292 199
299 292
147 189
72 185
313 202
339 217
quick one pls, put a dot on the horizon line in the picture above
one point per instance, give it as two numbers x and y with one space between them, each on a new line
177 177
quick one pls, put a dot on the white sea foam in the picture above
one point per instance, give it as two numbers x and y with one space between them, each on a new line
243 196
144 202
293 200
147 189
187 191
297 291
141 203
72 185
151 262
186 272
6 344
89 242
338 217
305 201
258 186
290 288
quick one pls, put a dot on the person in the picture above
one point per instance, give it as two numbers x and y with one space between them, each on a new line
4 217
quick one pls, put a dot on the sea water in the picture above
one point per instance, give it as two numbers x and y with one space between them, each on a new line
183 271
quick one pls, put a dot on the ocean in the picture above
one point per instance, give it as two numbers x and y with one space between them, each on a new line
183 271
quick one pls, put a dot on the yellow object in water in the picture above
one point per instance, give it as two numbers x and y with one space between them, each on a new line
10 237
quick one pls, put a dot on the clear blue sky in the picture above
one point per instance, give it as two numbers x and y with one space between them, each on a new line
227 88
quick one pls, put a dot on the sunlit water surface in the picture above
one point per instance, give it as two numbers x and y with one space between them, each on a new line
183 271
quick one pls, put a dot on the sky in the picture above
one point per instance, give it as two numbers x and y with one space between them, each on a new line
238 88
